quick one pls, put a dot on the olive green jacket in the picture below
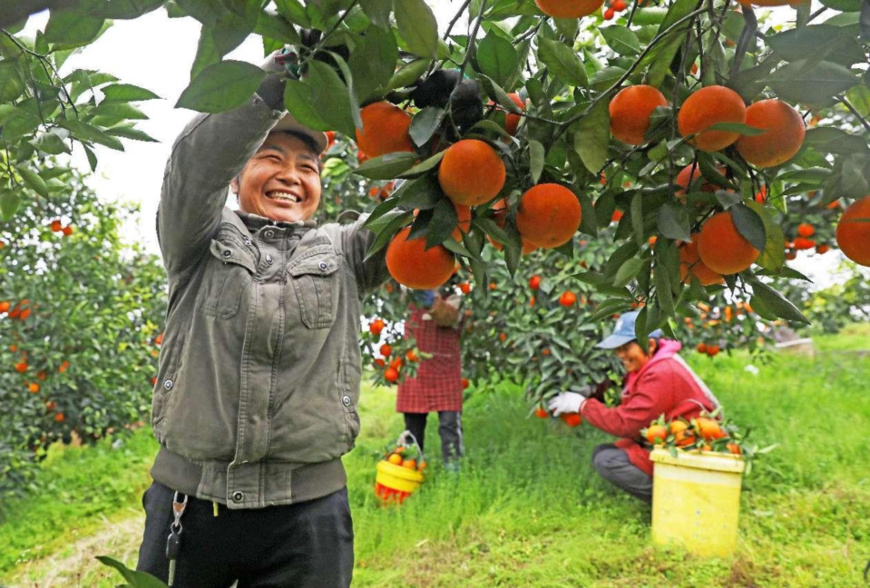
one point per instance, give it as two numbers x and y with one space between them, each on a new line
259 377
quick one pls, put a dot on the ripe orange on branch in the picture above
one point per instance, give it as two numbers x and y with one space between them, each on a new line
691 264
784 136
853 232
511 120
630 112
471 172
687 178
722 248
706 107
385 129
569 8
414 266
548 215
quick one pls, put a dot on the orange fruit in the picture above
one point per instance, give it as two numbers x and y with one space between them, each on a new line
465 383
56 226
21 367
708 428
805 230
681 434
548 215
471 172
391 375
853 232
386 350
395 458
656 434
630 112
463 225
783 138
511 120
499 215
712 350
385 129
541 412
414 266
411 464
376 326
4 306
567 298
706 107
690 263
734 448
702 347
722 248
568 8
535 282
572 419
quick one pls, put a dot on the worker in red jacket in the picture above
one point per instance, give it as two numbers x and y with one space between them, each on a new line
658 382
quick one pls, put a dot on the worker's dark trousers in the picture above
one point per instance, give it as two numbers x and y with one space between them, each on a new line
614 466
449 429
308 545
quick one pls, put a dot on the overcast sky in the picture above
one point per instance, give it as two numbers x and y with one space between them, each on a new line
156 52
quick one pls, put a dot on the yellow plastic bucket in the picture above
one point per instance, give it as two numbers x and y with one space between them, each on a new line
696 500
395 483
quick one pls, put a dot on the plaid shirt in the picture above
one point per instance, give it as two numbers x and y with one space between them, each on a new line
438 385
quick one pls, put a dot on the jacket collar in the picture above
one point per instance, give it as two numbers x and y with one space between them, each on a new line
251 223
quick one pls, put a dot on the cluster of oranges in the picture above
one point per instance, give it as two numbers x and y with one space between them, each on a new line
407 457
57 227
470 174
704 432
20 310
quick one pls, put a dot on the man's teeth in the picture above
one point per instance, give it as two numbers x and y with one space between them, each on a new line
283 196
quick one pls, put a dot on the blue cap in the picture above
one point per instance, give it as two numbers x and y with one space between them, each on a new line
624 332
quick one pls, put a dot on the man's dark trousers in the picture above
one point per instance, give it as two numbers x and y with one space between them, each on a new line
303 545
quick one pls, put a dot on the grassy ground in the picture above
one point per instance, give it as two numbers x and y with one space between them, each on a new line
527 509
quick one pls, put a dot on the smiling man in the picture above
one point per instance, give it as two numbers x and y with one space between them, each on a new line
259 370
658 382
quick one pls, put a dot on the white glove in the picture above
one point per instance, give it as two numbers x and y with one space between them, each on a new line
565 402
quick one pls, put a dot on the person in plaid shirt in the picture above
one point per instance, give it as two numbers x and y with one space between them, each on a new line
435 326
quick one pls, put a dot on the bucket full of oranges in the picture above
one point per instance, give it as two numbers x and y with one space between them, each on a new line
400 471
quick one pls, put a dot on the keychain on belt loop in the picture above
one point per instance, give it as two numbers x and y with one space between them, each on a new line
173 542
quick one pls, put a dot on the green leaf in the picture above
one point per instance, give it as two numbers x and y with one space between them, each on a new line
299 102
673 222
815 84
497 58
749 224
124 9
294 11
621 39
327 91
592 137
130 132
843 5
408 74
85 132
205 11
378 12
11 86
373 62
134 579
562 62
32 179
444 220
636 218
421 168
772 257
776 302
741 128
817 42
536 159
386 167
126 93
222 86
386 234
425 123
604 79
9 203
53 141
627 271
72 28
417 26
274 26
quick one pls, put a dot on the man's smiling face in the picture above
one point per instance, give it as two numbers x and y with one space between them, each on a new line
281 181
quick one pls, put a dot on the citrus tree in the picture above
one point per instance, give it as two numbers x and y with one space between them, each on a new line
686 140
79 324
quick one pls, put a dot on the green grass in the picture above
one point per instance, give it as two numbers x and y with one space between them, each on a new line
527 509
